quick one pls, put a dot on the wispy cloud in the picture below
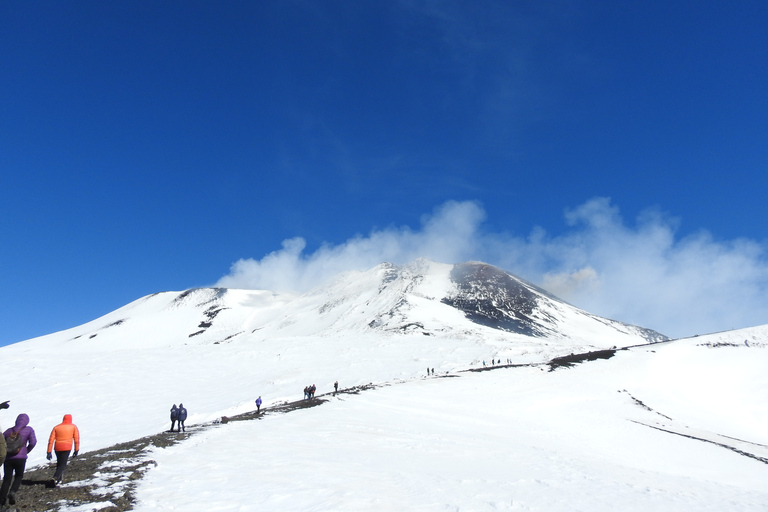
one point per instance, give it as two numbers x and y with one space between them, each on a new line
640 273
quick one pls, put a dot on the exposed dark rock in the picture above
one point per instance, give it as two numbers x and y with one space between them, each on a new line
492 297
114 324
570 360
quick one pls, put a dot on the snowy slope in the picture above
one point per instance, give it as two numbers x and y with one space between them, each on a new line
603 435
597 437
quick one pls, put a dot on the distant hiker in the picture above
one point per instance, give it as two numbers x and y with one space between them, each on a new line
62 437
335 388
20 441
312 391
306 392
258 405
182 417
433 372
174 416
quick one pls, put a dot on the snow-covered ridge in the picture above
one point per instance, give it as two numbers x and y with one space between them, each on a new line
433 299
467 301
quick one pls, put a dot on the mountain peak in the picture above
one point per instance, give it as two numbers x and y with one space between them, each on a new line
471 301
474 299
489 296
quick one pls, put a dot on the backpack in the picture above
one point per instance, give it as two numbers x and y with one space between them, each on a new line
14 444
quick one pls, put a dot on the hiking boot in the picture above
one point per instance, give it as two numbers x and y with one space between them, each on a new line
11 499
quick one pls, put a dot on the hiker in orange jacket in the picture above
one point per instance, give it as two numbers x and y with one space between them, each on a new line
63 436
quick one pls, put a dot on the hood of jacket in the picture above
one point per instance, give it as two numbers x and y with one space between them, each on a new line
22 420
67 418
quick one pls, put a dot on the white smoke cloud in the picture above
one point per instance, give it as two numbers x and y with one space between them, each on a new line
449 234
642 274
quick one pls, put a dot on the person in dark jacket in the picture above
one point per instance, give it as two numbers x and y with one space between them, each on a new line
3 405
15 463
182 418
2 448
258 405
174 416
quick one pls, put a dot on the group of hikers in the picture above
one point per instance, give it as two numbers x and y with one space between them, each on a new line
19 440
495 362
178 414
309 391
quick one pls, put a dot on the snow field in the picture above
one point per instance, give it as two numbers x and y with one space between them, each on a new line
512 439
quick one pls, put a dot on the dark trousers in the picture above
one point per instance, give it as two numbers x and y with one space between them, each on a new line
61 464
173 424
12 466
181 425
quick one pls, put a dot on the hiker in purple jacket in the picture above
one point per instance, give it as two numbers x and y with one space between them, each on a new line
15 463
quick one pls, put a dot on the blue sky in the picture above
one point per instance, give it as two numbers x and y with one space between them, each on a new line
616 152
